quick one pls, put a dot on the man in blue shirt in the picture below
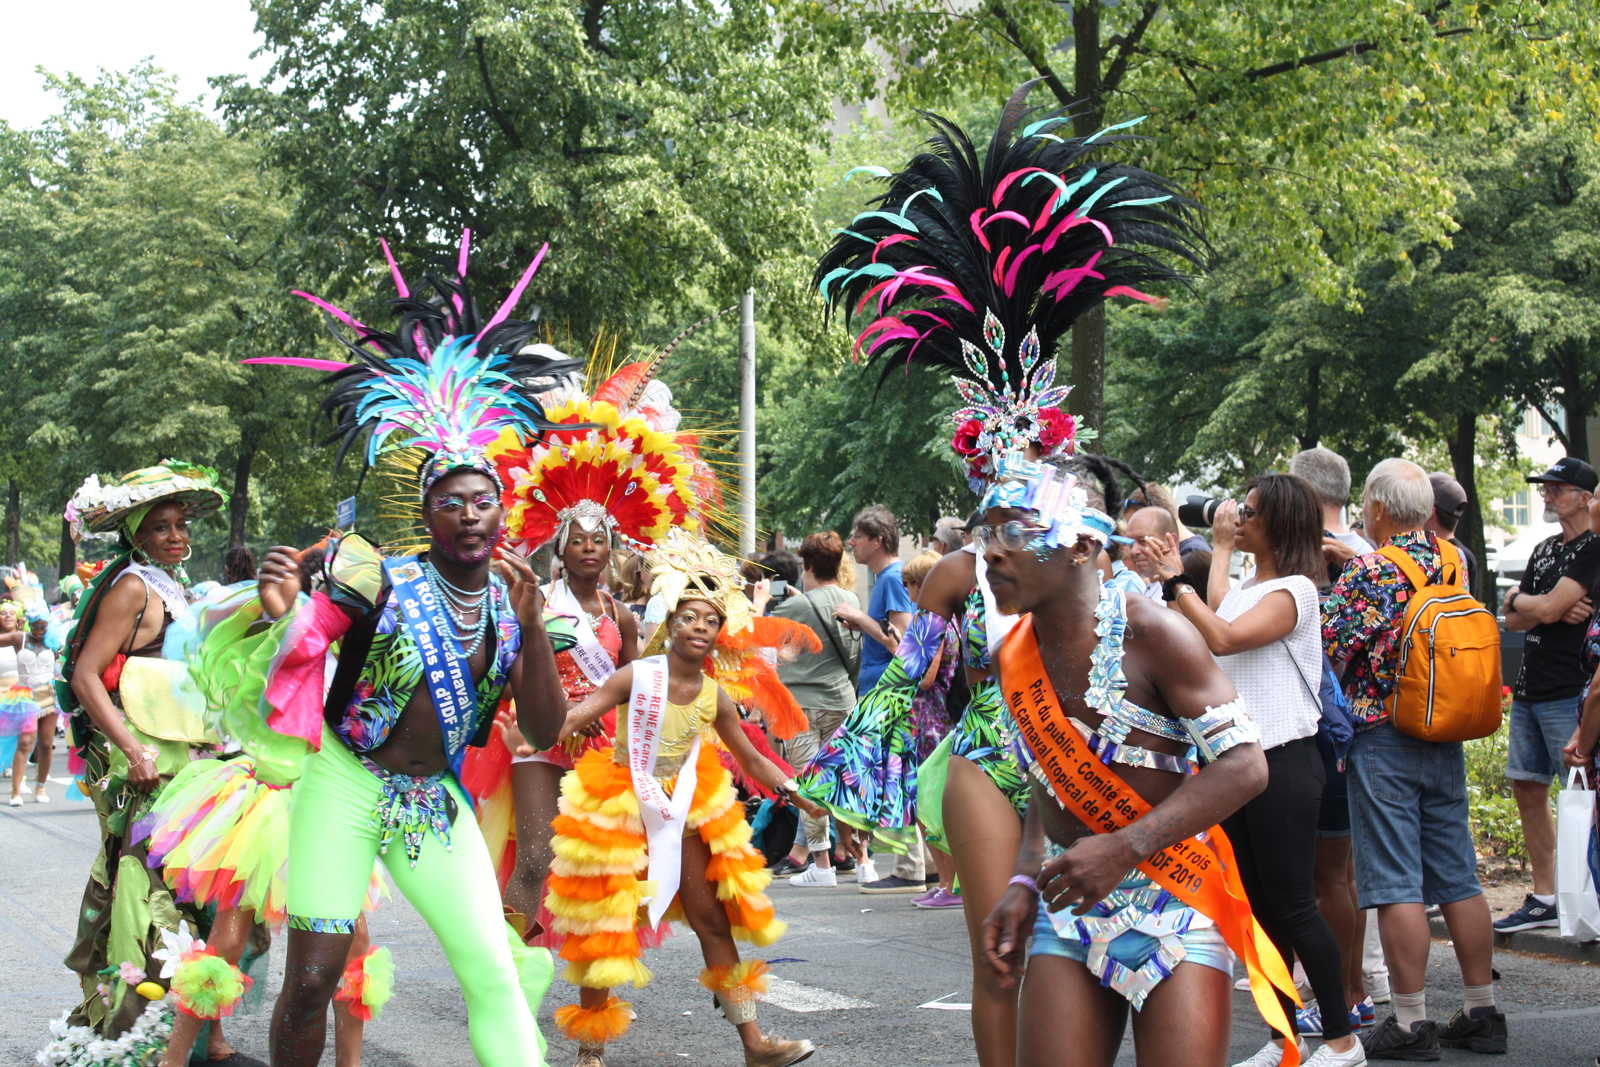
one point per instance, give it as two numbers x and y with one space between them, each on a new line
874 541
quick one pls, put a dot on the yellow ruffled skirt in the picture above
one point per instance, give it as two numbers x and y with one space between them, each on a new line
597 887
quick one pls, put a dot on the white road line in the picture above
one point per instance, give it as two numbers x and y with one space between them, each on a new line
944 1003
792 996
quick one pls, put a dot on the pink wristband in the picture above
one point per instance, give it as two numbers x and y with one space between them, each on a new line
1027 883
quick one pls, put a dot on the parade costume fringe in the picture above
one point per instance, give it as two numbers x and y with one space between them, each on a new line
220 836
367 984
595 1026
596 888
206 986
741 981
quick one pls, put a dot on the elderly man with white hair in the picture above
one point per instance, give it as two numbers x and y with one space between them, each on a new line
1408 797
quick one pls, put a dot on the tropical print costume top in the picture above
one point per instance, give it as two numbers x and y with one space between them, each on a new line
930 720
393 669
985 733
866 773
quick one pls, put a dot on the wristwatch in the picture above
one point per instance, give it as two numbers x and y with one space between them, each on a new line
1173 587
1511 601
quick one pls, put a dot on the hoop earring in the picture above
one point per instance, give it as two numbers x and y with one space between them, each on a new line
188 552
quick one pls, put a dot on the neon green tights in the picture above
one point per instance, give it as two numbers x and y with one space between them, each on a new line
333 841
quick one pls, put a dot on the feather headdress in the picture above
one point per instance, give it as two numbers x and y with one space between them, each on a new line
618 460
445 383
978 266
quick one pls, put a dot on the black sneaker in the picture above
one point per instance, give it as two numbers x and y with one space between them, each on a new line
846 865
1390 1041
1481 1030
787 866
892 884
1530 916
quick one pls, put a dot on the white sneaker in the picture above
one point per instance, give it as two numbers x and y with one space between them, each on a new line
16 800
1271 1055
814 876
1326 1057
866 871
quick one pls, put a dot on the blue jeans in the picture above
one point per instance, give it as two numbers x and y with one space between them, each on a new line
1408 814
1539 728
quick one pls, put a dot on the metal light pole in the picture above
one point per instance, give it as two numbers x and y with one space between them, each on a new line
747 424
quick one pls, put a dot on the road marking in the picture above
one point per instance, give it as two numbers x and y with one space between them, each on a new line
944 1003
792 996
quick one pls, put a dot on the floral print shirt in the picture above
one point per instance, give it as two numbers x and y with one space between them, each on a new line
394 668
1362 618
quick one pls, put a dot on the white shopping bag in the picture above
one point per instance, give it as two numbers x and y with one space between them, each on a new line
1576 896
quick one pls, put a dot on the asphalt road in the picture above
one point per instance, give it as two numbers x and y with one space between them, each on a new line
870 979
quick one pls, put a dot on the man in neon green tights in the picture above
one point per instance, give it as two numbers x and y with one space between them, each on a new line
427 645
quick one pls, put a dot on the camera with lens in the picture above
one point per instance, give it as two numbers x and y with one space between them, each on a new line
1198 510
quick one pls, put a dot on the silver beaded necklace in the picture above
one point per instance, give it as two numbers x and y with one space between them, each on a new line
459 604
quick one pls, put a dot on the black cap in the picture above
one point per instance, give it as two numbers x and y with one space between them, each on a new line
1449 499
1569 470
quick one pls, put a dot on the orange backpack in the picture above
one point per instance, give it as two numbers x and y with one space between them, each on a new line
1449 674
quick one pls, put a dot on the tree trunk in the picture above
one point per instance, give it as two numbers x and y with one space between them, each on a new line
1463 445
239 502
1575 406
1312 436
67 559
13 523
1089 332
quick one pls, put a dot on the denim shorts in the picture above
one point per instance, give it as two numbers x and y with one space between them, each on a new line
1539 728
1408 813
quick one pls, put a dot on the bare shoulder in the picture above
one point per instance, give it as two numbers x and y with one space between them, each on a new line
1157 632
126 596
948 583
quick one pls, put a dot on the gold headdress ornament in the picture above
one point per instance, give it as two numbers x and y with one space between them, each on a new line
684 567
743 661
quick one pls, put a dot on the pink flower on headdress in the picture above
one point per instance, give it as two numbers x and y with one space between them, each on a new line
1059 428
965 441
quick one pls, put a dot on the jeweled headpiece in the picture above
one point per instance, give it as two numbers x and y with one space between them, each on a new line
685 567
978 267
1052 494
749 647
444 384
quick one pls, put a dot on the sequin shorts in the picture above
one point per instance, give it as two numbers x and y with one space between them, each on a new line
1133 939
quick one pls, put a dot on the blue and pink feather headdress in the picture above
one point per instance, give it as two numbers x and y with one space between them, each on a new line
979 266
445 383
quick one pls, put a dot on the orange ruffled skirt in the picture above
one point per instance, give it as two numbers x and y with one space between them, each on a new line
597 888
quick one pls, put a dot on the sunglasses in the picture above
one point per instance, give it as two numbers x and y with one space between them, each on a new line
1010 536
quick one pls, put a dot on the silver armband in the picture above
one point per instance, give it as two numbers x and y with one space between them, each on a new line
1222 728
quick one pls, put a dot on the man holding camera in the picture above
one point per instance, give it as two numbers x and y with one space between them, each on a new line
1553 604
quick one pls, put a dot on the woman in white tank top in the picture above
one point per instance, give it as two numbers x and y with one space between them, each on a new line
1267 637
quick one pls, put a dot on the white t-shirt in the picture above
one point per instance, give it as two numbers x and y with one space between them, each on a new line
1266 677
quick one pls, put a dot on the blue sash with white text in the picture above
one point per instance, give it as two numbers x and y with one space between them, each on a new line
446 673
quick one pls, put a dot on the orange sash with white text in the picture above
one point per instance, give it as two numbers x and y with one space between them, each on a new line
1201 874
